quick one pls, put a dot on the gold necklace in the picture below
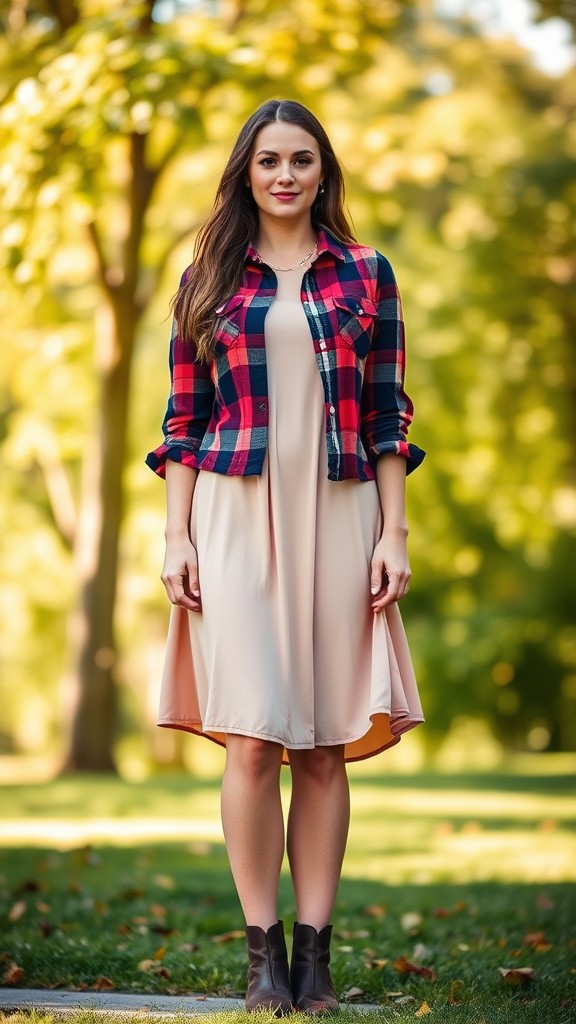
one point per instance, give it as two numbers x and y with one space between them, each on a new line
285 270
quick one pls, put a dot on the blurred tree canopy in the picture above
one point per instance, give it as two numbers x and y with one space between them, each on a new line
115 121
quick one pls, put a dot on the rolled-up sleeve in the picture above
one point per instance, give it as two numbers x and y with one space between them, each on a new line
189 407
386 411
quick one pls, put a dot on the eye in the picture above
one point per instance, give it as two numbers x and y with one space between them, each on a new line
267 161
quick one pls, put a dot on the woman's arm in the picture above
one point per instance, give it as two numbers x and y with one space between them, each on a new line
180 570
390 568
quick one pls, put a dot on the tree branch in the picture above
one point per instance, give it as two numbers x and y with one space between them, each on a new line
58 487
103 269
147 288
64 12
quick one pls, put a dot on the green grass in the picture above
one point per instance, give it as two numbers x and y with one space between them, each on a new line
485 861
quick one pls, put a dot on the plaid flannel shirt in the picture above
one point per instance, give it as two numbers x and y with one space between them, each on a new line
217 414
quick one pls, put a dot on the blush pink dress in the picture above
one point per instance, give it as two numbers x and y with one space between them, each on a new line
287 647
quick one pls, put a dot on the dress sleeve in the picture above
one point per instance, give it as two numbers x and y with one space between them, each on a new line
189 406
386 410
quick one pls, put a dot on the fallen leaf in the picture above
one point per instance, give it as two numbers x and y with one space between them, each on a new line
423 1009
345 949
421 951
164 881
543 902
404 1000
543 947
375 910
411 922
189 947
103 984
162 972
124 929
146 965
517 975
16 911
441 912
46 927
44 908
461 906
162 929
100 907
160 953
346 935
29 885
127 895
376 964
14 974
534 938
157 910
405 966
236 933
353 993
454 984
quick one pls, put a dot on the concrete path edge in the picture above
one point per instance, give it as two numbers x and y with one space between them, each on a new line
121 1004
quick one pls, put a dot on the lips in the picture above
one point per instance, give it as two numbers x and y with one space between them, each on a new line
285 195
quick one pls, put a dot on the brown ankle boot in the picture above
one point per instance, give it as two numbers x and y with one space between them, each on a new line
312 988
268 979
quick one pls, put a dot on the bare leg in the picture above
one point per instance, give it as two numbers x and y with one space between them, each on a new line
317 830
253 825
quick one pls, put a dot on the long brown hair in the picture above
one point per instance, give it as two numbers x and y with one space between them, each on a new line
221 243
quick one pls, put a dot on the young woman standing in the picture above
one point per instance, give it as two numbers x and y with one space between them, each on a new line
285 458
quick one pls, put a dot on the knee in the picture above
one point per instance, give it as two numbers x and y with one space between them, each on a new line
321 765
255 759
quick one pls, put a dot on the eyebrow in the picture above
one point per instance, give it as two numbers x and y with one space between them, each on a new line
272 152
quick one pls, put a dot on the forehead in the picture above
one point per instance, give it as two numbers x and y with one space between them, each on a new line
281 137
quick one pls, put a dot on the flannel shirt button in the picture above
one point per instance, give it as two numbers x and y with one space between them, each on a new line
360 308
332 410
322 344
262 407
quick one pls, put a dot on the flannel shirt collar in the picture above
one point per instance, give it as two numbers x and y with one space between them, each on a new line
326 243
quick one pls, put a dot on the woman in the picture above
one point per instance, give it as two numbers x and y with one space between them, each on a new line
285 458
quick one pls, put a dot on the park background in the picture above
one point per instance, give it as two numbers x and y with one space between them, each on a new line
458 143
116 120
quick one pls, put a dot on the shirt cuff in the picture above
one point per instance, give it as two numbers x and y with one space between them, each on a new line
177 451
411 452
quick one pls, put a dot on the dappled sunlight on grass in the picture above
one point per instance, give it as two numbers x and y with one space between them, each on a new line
422 827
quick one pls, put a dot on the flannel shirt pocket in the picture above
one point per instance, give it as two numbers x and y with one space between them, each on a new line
357 316
229 321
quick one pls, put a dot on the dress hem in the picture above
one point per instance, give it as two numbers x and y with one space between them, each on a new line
404 720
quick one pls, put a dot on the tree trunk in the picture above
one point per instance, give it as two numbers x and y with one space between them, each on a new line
92 639
94 721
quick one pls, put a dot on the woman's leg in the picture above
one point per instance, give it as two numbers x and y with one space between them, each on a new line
253 825
317 830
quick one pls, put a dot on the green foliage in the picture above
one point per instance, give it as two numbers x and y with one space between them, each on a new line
460 161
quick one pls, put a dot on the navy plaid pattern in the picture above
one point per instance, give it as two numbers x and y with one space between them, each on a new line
217 413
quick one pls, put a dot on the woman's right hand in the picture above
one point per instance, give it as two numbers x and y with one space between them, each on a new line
180 575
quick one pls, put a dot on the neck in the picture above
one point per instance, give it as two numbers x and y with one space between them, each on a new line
283 239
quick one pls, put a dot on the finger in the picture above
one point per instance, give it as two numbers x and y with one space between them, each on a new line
177 592
377 576
392 592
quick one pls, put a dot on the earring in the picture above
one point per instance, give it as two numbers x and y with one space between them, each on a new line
321 189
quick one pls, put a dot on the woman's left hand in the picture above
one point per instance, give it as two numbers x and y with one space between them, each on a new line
390 570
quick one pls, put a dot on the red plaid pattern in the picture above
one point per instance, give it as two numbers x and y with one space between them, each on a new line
217 414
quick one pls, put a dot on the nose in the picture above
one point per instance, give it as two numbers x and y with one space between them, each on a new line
284 173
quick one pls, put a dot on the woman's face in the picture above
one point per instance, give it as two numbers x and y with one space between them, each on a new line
285 170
